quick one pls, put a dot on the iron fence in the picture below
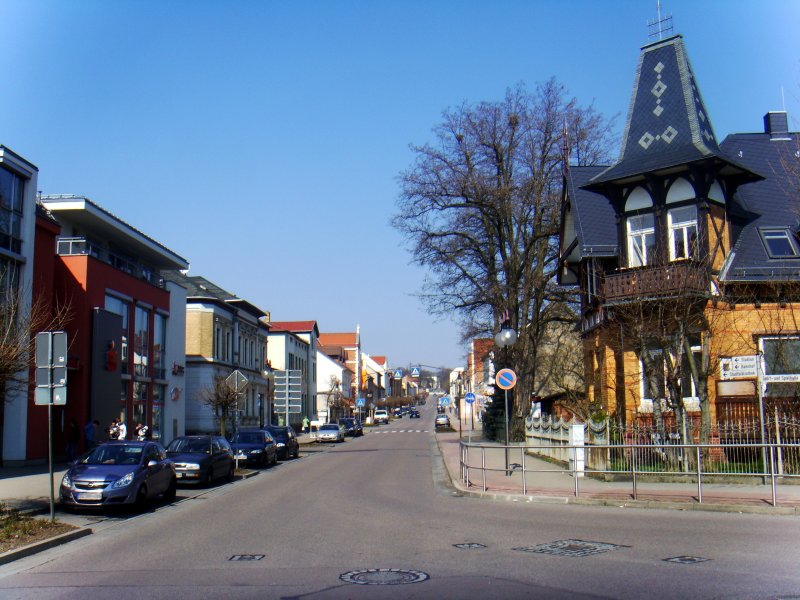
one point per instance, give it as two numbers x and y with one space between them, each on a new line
738 444
694 463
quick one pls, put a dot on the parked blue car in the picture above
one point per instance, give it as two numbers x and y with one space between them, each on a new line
201 459
256 446
119 473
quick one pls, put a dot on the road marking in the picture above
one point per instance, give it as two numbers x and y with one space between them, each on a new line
403 431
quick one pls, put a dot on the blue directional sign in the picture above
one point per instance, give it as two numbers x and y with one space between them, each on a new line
398 373
415 371
444 400
360 402
469 398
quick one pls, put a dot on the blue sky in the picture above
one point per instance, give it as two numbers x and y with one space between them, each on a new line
262 140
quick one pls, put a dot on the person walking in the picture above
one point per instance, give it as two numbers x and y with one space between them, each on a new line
305 424
73 437
89 434
123 430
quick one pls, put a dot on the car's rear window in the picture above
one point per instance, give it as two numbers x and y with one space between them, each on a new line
116 454
199 445
249 437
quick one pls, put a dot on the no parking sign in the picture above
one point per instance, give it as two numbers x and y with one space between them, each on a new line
505 379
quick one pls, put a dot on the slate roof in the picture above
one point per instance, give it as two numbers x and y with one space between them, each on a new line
199 288
773 202
667 123
593 214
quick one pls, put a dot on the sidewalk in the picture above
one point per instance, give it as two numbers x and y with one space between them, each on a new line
548 482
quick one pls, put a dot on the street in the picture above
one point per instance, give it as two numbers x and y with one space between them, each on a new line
378 509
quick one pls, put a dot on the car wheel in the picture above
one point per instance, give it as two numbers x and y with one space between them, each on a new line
209 480
141 498
172 490
231 473
296 452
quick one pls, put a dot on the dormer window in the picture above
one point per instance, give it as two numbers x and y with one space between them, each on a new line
779 243
641 240
682 233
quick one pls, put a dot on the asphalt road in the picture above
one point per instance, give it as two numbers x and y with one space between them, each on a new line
377 509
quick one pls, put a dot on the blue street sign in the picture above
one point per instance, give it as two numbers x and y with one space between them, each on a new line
360 402
469 398
398 373
444 400
415 371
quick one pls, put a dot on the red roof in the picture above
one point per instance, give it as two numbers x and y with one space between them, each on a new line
381 360
293 326
339 339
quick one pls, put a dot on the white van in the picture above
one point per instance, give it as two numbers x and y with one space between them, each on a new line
381 416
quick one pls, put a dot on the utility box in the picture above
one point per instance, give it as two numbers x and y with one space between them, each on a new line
577 437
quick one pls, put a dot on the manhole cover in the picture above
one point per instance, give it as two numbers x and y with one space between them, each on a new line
383 577
246 557
469 546
686 560
571 548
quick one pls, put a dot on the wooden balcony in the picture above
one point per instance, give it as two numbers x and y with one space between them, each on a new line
684 278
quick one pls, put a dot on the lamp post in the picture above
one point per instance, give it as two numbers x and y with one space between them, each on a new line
504 338
458 403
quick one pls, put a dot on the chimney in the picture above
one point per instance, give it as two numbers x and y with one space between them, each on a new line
776 124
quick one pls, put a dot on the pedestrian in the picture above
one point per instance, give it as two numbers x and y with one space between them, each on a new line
89 434
141 432
73 437
123 430
113 430
305 424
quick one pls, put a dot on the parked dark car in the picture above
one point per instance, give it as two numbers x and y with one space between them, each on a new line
414 414
256 446
352 426
201 458
119 473
286 441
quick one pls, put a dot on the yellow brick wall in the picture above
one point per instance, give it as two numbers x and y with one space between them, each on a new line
734 333
200 334
718 235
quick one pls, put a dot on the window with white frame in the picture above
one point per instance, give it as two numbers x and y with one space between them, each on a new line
641 240
781 365
682 232
654 374
779 243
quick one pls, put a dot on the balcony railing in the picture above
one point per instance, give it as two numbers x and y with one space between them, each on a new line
675 279
70 246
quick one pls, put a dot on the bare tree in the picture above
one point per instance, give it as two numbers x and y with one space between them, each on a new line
480 210
19 324
222 399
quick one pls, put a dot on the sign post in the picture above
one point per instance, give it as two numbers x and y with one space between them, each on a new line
51 387
469 398
505 380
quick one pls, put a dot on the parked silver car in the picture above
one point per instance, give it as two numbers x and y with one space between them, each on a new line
442 420
330 432
118 473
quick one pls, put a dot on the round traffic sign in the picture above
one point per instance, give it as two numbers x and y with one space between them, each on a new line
469 398
505 379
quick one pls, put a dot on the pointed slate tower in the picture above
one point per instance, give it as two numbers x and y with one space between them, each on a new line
667 125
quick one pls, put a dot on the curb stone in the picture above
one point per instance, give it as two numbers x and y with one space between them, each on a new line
16 554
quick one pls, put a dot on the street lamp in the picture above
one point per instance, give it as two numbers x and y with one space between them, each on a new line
504 338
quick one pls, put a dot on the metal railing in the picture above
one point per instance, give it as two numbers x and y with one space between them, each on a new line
683 462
